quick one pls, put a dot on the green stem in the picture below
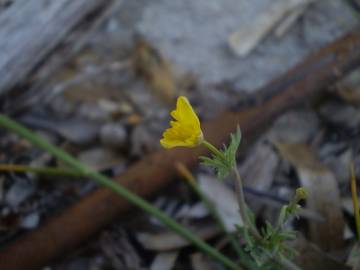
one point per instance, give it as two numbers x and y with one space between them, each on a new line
253 230
281 219
213 149
39 170
238 186
115 187
243 208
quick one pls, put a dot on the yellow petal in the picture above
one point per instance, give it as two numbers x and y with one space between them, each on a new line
185 112
185 130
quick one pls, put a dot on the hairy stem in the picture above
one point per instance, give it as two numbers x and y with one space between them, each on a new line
243 208
238 188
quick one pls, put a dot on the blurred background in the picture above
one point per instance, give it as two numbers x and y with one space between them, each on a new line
98 78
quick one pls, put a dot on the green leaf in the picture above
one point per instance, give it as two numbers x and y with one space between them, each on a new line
225 163
230 152
221 169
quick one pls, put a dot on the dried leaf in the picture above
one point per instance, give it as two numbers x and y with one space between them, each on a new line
169 240
156 70
224 200
120 251
200 261
354 257
294 127
258 170
312 258
323 194
338 159
198 210
164 261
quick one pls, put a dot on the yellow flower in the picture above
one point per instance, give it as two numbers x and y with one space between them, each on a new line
186 130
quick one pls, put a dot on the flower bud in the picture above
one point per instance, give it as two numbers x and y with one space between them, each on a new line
300 194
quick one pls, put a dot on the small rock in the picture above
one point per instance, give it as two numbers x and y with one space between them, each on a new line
78 131
113 135
18 193
100 158
145 138
341 115
30 221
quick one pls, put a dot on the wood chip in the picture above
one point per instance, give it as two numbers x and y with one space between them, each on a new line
292 17
248 36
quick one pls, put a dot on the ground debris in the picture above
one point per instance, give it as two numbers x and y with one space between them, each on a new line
108 107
